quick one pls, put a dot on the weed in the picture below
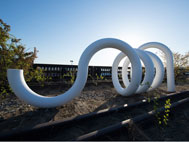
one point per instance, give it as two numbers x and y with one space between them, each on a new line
71 75
162 118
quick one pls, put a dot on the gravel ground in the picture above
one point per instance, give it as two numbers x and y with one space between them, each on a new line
16 114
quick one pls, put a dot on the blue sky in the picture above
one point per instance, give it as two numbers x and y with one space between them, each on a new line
62 29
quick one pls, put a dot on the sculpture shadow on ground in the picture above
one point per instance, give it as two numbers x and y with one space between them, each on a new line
119 100
28 119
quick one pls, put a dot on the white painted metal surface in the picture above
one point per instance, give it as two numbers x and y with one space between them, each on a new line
22 91
169 62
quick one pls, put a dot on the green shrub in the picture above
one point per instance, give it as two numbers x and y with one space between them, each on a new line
14 56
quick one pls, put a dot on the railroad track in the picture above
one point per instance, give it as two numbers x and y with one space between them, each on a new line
112 124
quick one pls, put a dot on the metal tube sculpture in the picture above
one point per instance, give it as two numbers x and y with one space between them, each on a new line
147 79
20 88
150 82
169 62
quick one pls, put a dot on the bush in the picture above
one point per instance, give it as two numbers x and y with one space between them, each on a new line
13 55
181 64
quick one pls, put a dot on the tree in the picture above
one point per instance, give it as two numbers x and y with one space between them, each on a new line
181 60
181 64
13 55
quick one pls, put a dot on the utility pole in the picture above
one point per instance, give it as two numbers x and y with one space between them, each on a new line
71 61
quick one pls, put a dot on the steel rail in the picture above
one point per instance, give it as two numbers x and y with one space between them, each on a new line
45 129
100 134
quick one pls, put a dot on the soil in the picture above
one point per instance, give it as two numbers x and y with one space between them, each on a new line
176 129
15 114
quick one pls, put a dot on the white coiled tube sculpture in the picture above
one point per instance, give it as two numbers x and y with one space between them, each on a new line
22 91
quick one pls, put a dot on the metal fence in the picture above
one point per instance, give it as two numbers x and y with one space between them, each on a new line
57 72
61 72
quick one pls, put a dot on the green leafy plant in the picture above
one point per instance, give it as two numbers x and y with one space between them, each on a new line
37 75
93 80
13 55
98 78
72 79
162 118
71 75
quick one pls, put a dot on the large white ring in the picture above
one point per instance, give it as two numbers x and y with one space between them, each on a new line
159 73
149 76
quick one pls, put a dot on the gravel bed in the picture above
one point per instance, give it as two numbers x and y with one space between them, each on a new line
15 114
